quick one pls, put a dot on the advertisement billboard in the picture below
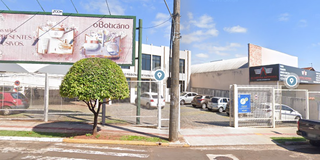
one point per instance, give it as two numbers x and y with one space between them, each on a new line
67 38
264 73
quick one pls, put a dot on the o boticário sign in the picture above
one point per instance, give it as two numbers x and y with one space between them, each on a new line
43 37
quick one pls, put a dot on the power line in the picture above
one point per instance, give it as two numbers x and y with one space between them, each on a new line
74 6
157 24
108 7
5 5
41 6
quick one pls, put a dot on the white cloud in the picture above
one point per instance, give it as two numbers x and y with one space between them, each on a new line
284 17
160 19
235 29
202 55
204 21
199 36
218 50
303 23
100 5
240 55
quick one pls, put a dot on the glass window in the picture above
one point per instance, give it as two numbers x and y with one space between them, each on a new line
125 67
181 83
146 62
156 62
181 66
1 97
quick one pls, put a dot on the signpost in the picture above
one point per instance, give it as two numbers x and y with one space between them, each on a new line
159 75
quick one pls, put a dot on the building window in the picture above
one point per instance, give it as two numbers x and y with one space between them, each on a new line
146 62
181 66
156 62
125 67
181 83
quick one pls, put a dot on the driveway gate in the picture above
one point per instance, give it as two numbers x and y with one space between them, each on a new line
266 106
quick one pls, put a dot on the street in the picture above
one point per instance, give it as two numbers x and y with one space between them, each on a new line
14 150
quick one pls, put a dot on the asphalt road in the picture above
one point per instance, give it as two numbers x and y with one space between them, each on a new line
14 150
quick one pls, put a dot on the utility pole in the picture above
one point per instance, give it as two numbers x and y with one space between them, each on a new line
174 98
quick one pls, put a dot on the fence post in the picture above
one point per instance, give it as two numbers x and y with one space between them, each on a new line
46 98
307 103
273 108
235 104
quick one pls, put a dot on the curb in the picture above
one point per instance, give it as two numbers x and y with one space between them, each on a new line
94 141
141 143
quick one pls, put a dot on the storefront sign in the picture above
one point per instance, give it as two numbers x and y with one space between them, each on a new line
244 103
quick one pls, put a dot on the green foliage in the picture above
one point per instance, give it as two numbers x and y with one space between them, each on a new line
88 134
95 78
282 140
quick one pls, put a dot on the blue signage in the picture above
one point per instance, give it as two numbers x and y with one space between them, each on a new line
244 103
159 75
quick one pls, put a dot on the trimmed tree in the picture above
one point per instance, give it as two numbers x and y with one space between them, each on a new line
92 80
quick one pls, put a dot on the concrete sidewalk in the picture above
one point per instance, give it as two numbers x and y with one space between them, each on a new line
213 136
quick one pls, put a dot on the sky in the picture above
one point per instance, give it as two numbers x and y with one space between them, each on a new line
211 29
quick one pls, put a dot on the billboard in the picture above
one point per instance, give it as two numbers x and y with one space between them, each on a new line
264 73
67 38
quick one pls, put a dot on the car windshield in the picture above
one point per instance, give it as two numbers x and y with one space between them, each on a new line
18 96
214 100
183 94
156 96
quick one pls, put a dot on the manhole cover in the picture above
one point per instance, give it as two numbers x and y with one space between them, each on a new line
222 157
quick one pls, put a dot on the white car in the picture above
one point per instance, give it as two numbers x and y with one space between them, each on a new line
150 99
218 104
187 97
287 113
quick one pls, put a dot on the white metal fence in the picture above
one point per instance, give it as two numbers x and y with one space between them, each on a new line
266 106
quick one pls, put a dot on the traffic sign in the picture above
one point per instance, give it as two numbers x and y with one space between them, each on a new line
17 83
159 75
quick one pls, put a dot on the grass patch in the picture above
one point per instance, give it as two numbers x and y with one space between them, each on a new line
141 138
32 134
282 140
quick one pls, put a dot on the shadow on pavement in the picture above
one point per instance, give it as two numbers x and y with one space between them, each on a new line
65 127
301 147
216 123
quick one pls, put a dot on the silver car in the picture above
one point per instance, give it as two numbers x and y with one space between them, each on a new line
218 104
150 99
282 112
187 97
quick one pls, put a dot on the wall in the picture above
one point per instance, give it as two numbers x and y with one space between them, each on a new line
220 80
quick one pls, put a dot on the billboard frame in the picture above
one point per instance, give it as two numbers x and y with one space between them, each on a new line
74 15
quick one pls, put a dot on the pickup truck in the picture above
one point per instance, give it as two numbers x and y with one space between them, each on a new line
309 129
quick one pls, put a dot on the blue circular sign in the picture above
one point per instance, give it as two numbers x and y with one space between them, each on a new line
292 81
159 75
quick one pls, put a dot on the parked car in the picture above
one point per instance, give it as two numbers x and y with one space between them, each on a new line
150 99
201 101
12 100
218 104
187 97
309 129
264 110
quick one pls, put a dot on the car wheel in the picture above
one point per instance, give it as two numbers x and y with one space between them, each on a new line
314 143
148 105
6 110
162 107
227 113
182 102
220 110
204 106
194 106
297 118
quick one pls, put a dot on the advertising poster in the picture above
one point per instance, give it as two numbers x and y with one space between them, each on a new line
40 37
244 103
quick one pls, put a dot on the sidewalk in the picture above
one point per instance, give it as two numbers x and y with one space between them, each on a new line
213 136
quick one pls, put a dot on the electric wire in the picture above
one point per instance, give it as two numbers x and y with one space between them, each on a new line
5 5
74 6
41 6
157 24
108 7
5 37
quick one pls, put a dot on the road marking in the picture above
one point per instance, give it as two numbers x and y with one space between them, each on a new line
98 147
50 158
221 156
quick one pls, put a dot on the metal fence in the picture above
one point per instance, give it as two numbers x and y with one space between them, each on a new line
209 91
267 106
26 100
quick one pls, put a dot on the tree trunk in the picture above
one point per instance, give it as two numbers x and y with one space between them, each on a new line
95 124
